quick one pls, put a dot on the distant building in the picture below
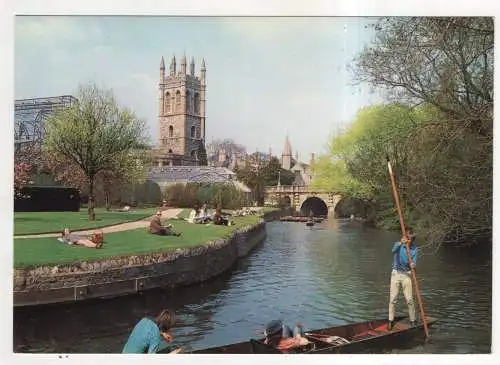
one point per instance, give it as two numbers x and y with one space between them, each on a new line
170 175
182 120
30 116
302 171
181 114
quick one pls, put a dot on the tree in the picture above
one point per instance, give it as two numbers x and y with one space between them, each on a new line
130 168
444 62
230 147
445 65
22 174
202 153
94 135
272 173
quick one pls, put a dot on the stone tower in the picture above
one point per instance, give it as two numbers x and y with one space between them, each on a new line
286 157
181 114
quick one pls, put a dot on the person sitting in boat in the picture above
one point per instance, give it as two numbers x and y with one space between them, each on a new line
73 239
401 276
282 337
156 227
148 335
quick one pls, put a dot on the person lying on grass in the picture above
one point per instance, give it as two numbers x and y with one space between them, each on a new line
156 227
95 241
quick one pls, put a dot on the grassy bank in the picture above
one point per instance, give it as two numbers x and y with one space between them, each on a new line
34 252
51 222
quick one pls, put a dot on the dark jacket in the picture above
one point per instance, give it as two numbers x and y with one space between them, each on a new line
155 225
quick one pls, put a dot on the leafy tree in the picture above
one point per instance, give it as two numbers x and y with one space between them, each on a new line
130 168
445 65
272 172
94 135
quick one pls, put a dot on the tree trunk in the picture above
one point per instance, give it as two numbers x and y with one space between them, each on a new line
91 213
107 200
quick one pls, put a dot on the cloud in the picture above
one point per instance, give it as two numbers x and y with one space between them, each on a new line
52 30
138 91
283 29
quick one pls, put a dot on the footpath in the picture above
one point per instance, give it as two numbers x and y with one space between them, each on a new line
167 214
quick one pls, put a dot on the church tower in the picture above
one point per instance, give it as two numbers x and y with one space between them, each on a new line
181 114
286 157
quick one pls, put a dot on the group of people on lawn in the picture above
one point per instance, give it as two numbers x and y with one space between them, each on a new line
198 216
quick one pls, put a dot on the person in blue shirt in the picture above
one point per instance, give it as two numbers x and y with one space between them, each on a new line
401 276
148 335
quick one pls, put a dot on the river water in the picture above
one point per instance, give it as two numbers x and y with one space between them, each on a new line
335 273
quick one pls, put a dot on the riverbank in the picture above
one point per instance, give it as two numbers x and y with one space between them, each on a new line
201 253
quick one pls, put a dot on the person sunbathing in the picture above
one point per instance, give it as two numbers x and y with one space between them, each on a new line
156 227
125 209
73 239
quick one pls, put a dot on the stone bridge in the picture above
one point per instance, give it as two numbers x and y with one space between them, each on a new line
304 199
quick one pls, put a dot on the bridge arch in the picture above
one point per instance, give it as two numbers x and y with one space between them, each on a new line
314 204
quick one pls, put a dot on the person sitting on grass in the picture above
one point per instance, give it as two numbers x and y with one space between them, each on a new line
73 239
156 227
149 333
219 219
203 215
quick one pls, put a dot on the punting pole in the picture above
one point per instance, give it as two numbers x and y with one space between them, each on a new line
405 234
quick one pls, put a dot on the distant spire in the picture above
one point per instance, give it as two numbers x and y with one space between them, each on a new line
172 65
183 64
191 71
203 72
312 160
162 64
287 150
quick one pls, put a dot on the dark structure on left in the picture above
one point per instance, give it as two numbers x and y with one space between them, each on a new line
29 124
30 116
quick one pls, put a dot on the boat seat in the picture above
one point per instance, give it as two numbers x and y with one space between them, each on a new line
259 347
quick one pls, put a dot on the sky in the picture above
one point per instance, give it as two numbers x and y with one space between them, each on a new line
266 77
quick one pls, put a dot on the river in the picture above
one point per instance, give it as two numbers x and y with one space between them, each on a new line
334 273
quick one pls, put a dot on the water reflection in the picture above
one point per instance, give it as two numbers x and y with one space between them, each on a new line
335 273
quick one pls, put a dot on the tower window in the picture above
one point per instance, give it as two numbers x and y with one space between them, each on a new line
170 131
188 101
197 103
193 132
177 100
170 150
168 101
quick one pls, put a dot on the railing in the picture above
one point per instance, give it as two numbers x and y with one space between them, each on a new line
290 189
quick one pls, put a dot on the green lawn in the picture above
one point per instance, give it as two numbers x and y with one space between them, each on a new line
50 222
33 252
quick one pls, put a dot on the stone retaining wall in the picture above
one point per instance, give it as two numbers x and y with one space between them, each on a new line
130 274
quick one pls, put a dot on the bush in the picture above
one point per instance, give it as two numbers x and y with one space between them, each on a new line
191 194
